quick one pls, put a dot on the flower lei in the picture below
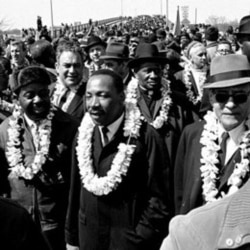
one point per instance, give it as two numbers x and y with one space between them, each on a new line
209 154
131 97
190 94
58 90
14 152
121 162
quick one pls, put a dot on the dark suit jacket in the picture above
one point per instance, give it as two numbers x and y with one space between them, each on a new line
45 196
224 224
187 176
77 106
180 115
136 214
18 231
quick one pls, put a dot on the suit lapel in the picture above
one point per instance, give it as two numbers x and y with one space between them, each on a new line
194 85
144 107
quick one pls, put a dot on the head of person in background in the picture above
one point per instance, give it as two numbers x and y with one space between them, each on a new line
5 71
95 49
184 41
197 55
69 64
161 35
43 54
243 32
224 47
133 43
116 58
28 41
18 55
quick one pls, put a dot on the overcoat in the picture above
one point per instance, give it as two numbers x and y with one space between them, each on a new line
133 216
223 224
187 176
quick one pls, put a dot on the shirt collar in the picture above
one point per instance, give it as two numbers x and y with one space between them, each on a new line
235 134
113 127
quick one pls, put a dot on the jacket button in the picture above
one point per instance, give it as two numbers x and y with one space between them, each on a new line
229 242
238 239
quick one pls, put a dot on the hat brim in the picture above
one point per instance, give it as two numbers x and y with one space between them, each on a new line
227 83
106 57
136 62
87 48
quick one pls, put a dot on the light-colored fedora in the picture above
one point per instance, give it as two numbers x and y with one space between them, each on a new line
228 71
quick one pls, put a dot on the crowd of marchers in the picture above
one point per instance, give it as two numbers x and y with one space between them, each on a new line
129 137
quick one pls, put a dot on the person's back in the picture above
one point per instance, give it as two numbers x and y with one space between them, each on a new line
17 230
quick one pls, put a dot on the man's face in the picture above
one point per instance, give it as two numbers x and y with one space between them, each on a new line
95 52
115 65
104 103
231 105
223 49
70 68
17 54
198 57
35 101
150 77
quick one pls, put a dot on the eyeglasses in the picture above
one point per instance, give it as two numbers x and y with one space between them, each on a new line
238 98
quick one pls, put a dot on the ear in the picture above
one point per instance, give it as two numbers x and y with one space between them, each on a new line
57 66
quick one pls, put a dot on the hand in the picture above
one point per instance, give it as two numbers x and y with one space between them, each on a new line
69 247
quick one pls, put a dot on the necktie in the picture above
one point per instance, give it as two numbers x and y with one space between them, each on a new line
223 146
105 131
63 98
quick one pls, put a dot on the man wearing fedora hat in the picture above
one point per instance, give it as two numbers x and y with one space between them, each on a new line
95 49
164 109
212 160
243 33
35 147
116 58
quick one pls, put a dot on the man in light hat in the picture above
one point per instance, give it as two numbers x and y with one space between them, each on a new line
36 143
212 160
116 58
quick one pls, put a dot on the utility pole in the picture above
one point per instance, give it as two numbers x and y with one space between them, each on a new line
52 24
195 16
166 13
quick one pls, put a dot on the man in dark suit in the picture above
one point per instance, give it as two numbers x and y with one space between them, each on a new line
224 224
36 143
211 160
121 174
165 110
69 89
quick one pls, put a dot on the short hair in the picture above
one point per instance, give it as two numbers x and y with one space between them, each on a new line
224 41
18 43
118 81
68 45
212 33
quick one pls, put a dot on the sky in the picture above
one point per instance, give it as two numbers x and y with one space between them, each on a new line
23 13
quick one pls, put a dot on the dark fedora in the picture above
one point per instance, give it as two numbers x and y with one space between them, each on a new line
147 52
228 71
93 41
29 75
116 51
244 26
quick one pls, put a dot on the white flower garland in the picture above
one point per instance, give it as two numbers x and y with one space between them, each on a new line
131 97
209 159
58 91
121 162
14 153
190 94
